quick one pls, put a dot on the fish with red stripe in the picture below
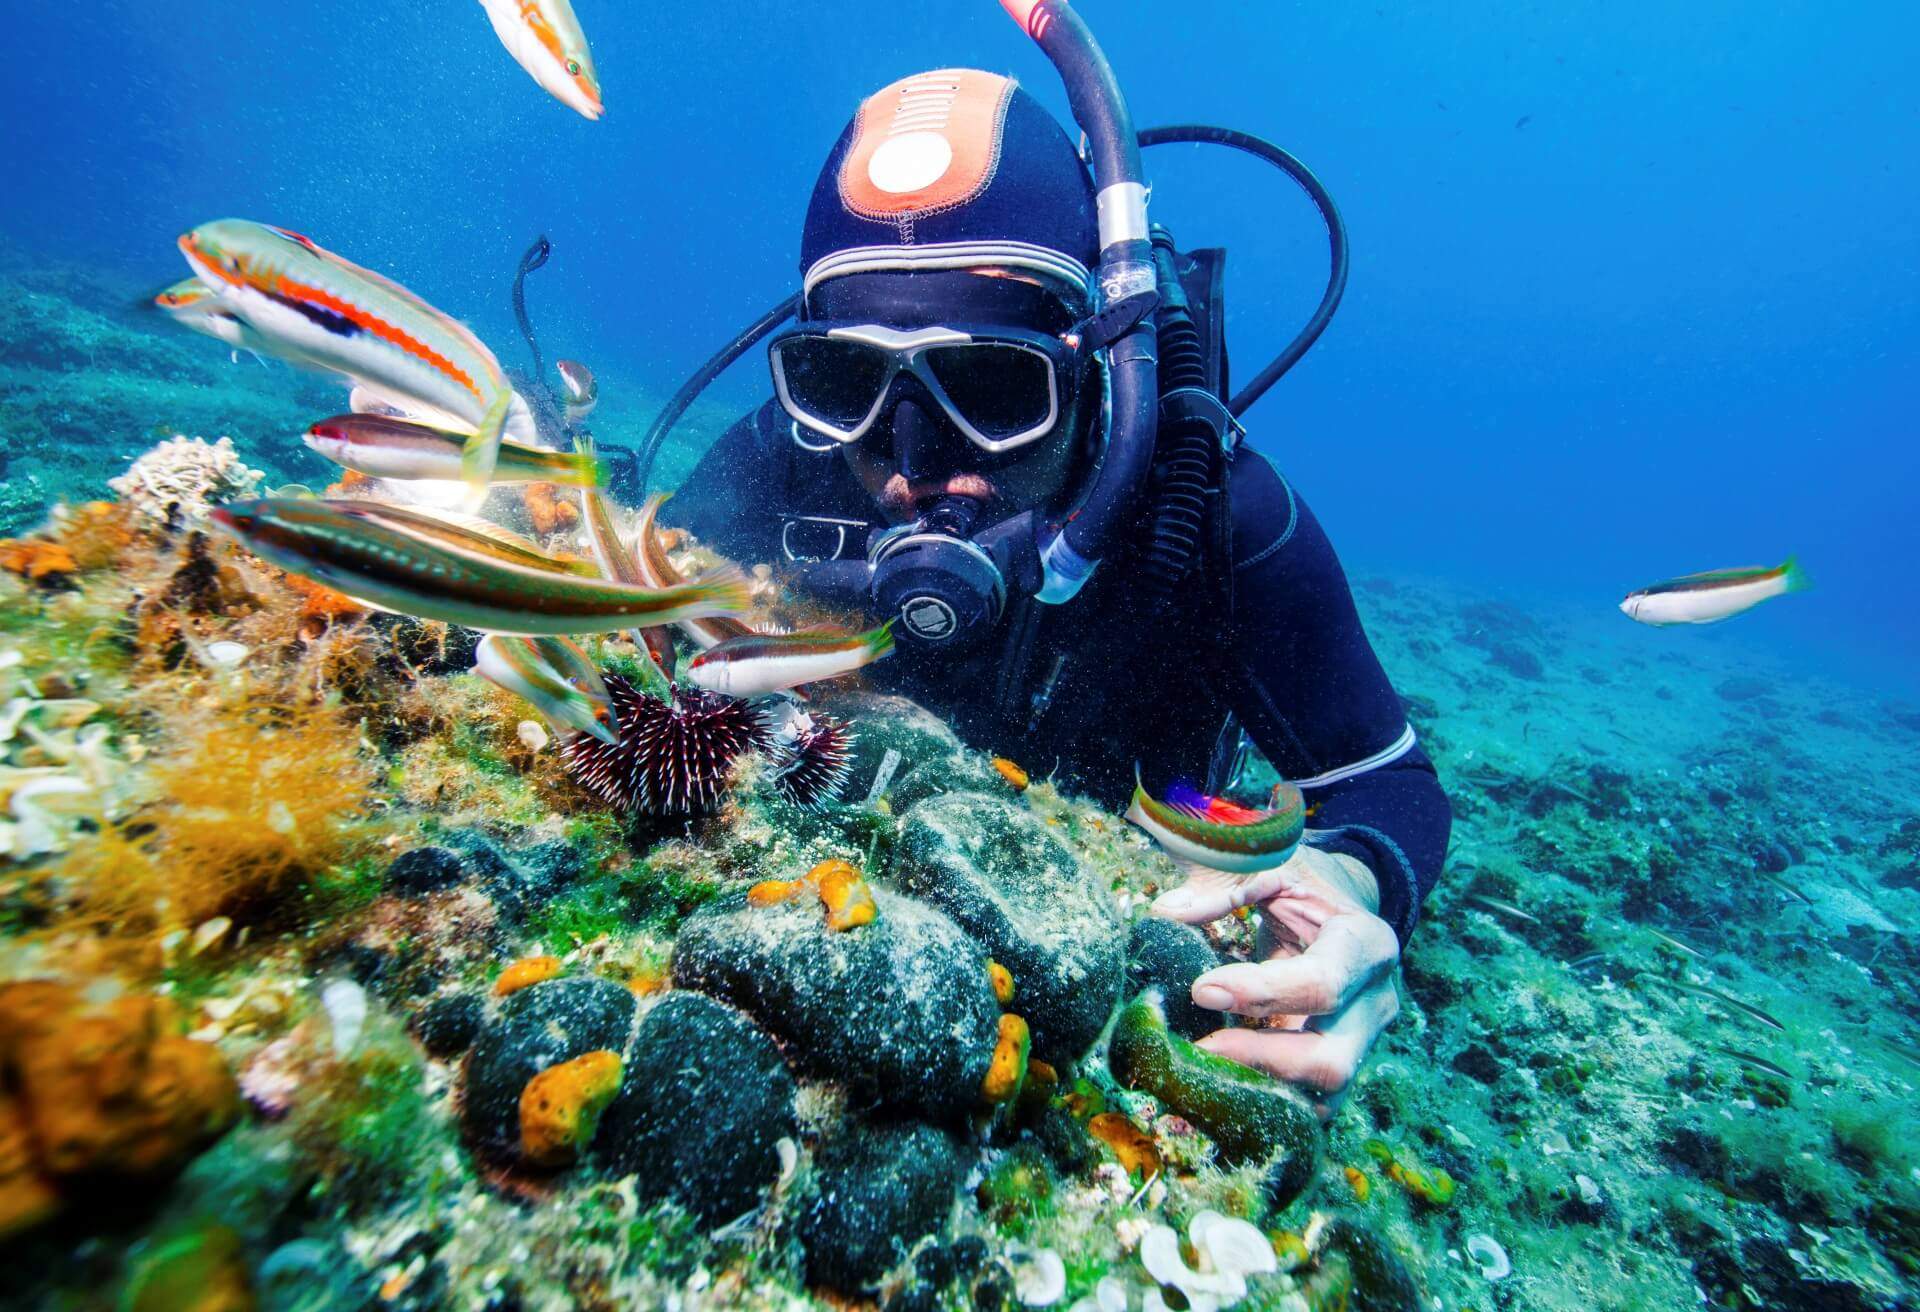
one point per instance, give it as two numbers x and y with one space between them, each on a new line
1217 833
330 312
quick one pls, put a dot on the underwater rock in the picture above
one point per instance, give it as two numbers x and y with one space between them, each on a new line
539 1026
98 1090
1356 1270
701 1110
202 1270
928 757
899 1010
183 478
1743 688
876 1189
1250 1117
447 1026
424 870
1027 900
1169 956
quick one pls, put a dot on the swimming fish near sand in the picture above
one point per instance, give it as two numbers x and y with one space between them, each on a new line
544 37
1217 834
383 446
336 315
1714 595
764 663
373 561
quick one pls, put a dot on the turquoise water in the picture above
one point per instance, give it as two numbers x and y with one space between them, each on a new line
1632 295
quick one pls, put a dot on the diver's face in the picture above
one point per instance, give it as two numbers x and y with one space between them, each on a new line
915 454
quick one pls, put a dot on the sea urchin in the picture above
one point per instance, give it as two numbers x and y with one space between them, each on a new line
670 759
812 768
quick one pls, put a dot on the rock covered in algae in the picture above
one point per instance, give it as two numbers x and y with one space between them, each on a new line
1020 893
900 1010
702 1108
1356 1270
539 1026
876 1189
99 1091
1169 956
925 754
1250 1117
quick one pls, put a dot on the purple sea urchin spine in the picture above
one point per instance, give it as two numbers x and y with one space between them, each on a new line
670 759
815 765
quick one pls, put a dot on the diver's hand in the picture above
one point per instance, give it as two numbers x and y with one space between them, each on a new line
1326 968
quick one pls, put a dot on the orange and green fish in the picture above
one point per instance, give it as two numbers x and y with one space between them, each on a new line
388 568
523 667
762 663
1717 594
544 37
384 446
462 532
333 314
1219 834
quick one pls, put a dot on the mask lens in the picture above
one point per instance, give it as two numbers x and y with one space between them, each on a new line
833 381
1001 390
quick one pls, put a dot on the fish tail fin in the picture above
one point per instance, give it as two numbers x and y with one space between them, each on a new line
1795 575
580 469
880 640
482 450
721 591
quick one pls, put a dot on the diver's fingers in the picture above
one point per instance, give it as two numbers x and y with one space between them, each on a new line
1322 1061
1211 894
1350 952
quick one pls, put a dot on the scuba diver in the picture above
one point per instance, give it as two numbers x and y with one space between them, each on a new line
998 377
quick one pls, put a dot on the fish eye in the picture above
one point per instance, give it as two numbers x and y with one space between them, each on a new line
573 68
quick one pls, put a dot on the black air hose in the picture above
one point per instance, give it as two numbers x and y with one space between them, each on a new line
1189 435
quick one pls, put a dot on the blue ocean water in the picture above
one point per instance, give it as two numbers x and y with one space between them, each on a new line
1633 292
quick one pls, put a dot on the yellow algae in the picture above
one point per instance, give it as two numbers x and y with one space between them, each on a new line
1291 1249
561 1106
1358 1182
1002 980
1013 774
1129 1143
1008 1069
772 892
527 970
844 890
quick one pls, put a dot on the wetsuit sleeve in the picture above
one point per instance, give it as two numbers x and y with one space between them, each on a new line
1310 691
729 500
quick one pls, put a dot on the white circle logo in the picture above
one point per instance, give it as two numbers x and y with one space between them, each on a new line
929 618
909 162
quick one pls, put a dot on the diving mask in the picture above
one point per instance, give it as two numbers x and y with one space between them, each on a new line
1002 388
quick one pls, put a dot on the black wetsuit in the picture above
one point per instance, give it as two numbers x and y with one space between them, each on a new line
1083 689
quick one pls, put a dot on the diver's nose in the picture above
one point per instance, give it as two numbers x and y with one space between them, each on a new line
925 445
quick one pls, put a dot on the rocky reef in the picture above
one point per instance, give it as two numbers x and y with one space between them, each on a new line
324 984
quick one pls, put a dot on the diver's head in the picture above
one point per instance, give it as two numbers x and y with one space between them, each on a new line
946 262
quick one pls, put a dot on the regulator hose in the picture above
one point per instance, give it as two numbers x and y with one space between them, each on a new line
535 256
1192 428
1202 134
742 342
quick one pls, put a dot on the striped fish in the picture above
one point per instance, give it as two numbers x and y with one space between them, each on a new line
521 668
1715 595
388 568
544 37
192 304
1218 834
339 316
461 532
383 446
618 564
762 663
656 571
